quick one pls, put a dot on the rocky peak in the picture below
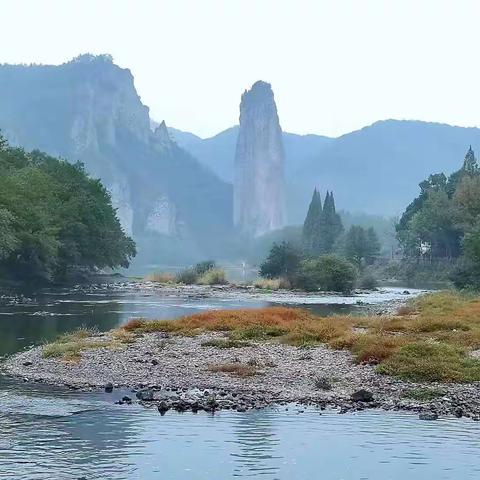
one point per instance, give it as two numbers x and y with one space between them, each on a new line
105 103
161 138
259 183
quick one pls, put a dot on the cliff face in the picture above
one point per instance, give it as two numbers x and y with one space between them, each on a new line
88 110
259 181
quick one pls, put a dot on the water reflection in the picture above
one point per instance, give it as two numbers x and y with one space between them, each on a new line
255 439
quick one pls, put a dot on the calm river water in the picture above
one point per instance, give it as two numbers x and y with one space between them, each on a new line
58 434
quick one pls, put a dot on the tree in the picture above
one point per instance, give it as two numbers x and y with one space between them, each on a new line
469 169
282 261
327 273
8 239
331 226
311 234
54 218
361 245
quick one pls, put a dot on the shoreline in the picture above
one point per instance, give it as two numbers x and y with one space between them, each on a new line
183 374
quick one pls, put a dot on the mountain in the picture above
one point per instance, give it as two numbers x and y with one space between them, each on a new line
88 110
218 152
377 169
374 170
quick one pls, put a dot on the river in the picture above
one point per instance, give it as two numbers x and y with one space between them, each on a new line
60 434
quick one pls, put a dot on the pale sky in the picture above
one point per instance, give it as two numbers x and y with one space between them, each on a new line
334 65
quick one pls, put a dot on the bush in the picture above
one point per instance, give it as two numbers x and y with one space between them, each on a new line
368 282
327 273
466 275
432 362
272 283
214 276
204 267
187 277
282 261
161 277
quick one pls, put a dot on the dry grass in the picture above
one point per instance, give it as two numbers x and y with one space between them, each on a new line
428 341
272 283
225 343
70 345
238 369
289 325
214 276
161 277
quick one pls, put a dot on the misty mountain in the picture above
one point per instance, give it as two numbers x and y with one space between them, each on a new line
218 152
375 170
88 110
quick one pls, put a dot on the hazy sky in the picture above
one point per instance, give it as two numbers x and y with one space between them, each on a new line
335 65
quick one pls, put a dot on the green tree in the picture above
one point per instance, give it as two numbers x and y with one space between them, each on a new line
282 261
469 169
54 218
311 234
331 226
326 273
361 246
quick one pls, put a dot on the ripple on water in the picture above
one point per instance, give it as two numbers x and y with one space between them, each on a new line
81 436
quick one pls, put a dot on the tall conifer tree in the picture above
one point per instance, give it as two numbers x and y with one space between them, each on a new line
311 226
331 226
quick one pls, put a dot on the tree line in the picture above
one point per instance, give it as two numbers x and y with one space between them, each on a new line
55 219
329 258
442 224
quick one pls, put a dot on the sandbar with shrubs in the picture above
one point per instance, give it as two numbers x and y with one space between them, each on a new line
423 357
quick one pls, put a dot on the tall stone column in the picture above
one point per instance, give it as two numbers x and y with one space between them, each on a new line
259 181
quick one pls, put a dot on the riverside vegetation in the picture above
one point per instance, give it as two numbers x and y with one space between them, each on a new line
431 339
55 219
203 273
425 358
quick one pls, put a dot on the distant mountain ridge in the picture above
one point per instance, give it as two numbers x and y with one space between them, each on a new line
375 169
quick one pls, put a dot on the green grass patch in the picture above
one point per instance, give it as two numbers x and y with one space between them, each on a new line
432 362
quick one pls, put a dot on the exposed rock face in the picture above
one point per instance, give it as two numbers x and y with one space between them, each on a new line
259 180
163 217
89 110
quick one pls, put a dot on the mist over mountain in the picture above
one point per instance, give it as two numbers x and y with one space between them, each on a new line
173 190
218 152
375 170
88 110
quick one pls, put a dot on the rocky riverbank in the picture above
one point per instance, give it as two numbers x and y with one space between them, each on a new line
194 373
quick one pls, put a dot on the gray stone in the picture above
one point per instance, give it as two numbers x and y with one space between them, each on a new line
259 180
362 395
145 395
428 416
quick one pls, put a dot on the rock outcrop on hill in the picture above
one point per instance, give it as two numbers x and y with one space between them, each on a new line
88 110
259 179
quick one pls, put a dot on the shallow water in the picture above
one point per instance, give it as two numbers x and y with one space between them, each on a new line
71 435
57 434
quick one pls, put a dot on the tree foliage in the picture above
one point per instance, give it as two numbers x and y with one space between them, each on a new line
322 226
327 273
361 245
311 227
53 217
282 261
443 222
437 220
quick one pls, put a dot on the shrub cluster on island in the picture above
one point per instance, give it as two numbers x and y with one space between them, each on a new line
423 358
